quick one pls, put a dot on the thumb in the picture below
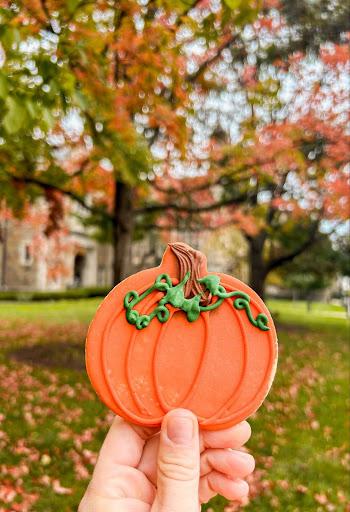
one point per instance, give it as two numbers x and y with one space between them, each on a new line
178 463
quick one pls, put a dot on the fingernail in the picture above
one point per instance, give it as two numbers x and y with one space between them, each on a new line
243 455
180 429
242 488
246 459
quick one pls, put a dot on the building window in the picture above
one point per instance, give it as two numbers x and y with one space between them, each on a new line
26 254
79 269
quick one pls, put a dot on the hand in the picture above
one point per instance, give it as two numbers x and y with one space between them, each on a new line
174 470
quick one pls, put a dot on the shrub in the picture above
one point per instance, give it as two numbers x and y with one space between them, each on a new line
72 293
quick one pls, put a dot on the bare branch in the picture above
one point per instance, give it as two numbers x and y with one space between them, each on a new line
224 180
192 229
286 258
154 208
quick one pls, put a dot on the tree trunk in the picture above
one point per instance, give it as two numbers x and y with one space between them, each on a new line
123 225
257 267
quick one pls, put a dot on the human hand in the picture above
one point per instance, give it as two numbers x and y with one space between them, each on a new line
174 470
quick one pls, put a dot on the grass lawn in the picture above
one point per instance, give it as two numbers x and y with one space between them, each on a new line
61 311
51 424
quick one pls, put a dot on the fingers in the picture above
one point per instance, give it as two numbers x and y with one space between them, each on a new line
95 503
115 473
178 463
221 473
233 437
148 462
222 469
233 463
123 482
216 483
123 445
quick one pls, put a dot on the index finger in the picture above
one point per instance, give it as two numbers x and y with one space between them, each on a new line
123 445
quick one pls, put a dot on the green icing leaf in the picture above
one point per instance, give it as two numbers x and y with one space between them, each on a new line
192 308
174 296
211 283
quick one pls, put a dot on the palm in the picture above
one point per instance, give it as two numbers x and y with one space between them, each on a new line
125 477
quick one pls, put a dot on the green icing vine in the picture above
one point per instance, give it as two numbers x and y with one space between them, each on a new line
174 295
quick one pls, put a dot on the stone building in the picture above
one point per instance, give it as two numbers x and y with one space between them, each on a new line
30 261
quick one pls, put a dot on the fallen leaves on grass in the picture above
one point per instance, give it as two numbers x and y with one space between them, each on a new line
10 492
40 422
59 489
52 424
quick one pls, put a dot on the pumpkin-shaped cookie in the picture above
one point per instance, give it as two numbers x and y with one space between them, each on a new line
178 336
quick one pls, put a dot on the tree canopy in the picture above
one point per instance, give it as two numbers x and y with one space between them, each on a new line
178 115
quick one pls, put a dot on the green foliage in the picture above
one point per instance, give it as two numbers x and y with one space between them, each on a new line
3 86
313 270
39 87
233 4
179 6
342 246
16 117
88 59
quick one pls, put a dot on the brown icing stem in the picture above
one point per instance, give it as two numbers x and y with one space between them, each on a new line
191 260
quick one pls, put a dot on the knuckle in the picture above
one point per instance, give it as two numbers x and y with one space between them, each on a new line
177 467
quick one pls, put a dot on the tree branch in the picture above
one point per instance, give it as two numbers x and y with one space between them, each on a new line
223 180
212 58
154 208
276 192
286 258
81 169
31 180
192 229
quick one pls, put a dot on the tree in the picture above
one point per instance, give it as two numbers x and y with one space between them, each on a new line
191 85
342 246
124 71
313 270
285 170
